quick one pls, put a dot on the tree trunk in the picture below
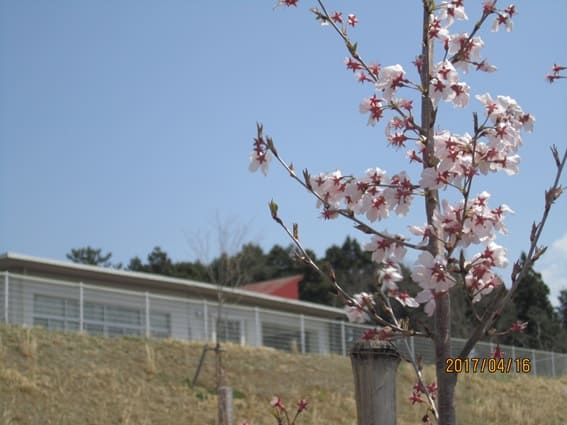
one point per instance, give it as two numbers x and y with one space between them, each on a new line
445 382
442 329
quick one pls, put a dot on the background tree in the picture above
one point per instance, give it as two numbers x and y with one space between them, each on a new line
158 262
136 265
91 256
562 310
252 261
283 262
353 266
531 304
227 237
191 270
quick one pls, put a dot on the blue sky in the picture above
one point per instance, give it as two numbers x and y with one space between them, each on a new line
126 125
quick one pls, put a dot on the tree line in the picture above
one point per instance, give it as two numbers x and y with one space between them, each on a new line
354 269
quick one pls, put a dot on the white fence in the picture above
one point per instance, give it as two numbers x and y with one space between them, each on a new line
99 310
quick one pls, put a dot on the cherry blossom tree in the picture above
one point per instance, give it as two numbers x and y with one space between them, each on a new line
457 243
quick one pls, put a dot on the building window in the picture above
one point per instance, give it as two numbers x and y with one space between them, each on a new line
281 337
160 324
62 314
111 320
229 331
59 314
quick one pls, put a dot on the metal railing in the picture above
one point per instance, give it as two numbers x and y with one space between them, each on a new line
79 307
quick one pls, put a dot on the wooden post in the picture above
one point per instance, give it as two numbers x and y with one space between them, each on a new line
225 406
201 360
374 366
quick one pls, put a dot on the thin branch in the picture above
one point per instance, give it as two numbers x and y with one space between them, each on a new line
345 213
352 49
496 308
459 55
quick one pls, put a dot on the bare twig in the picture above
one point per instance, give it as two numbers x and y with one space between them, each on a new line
345 213
493 312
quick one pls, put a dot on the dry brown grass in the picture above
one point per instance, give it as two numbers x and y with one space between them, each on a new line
79 379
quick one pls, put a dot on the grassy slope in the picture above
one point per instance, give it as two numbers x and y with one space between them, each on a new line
52 378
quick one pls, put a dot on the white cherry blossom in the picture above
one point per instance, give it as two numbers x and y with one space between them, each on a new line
390 78
431 272
357 312
427 297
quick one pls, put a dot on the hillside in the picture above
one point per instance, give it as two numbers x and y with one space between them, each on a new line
54 378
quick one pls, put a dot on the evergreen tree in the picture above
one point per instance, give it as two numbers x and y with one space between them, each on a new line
159 262
281 262
136 265
532 304
187 270
562 310
90 256
354 268
252 262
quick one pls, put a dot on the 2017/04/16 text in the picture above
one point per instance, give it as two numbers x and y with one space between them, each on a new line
488 364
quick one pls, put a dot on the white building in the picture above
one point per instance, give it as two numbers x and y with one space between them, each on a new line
67 296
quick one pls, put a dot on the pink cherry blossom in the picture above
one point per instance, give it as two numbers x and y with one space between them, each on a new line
481 281
443 78
277 403
432 388
460 94
470 49
403 298
431 272
374 69
302 405
498 353
389 275
374 107
384 249
352 20
356 311
484 66
361 77
493 256
384 334
330 187
352 64
556 73
402 193
415 398
369 334
427 297
479 224
504 18
518 326
509 119
260 159
437 30
289 3
375 207
445 86
337 17
451 10
438 177
390 78
488 7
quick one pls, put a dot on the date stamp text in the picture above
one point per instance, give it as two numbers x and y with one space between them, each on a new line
488 365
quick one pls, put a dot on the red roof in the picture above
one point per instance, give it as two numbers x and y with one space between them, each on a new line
284 287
